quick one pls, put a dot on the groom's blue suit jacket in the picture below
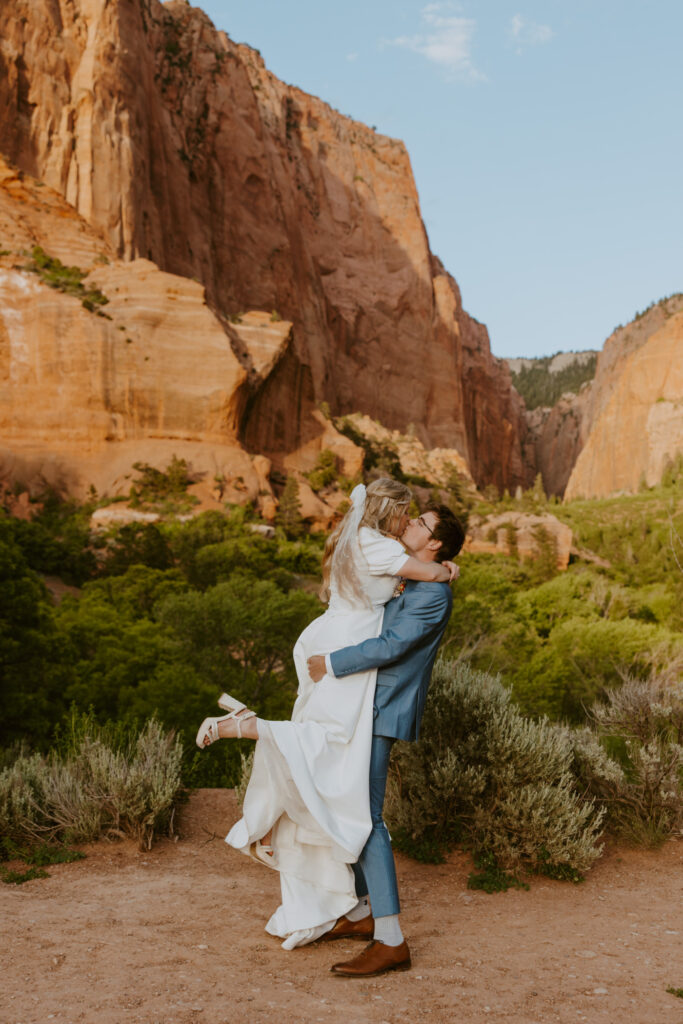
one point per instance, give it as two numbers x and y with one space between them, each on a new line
404 653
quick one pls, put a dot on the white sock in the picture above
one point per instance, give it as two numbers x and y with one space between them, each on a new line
361 910
388 930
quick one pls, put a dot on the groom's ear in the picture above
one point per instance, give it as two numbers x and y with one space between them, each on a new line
434 544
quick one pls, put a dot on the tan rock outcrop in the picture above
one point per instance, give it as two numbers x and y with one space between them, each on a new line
633 425
177 146
98 394
156 373
434 464
519 533
349 456
315 512
31 214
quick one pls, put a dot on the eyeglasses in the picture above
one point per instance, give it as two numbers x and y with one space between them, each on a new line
421 521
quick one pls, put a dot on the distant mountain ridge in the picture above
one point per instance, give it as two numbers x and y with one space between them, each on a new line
556 362
543 380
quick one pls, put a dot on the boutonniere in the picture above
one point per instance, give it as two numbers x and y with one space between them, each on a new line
399 588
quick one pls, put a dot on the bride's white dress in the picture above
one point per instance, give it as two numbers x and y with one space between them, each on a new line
310 775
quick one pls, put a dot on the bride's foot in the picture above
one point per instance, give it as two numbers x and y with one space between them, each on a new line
240 723
263 851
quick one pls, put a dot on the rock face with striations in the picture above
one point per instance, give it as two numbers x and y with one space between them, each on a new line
177 146
557 436
626 425
633 421
150 372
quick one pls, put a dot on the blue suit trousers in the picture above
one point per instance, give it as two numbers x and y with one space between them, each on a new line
375 871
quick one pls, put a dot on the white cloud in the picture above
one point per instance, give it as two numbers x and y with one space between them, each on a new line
352 57
446 40
528 33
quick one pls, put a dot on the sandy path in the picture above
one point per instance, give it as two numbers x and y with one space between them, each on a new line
175 936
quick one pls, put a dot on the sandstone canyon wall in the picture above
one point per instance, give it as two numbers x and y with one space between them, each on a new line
626 425
149 373
184 156
556 437
632 423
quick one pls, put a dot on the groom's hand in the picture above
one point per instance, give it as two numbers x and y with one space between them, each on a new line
316 667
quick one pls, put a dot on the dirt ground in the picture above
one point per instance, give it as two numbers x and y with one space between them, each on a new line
175 936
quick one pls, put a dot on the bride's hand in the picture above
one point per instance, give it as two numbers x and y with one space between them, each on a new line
453 570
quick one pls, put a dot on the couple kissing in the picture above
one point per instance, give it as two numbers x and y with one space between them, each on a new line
313 807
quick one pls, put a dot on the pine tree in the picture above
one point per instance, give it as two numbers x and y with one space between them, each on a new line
289 512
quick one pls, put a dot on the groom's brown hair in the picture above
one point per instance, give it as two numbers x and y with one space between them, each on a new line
448 531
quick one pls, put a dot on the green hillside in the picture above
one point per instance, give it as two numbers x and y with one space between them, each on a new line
538 386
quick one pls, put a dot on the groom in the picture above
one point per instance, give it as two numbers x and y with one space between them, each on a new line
404 652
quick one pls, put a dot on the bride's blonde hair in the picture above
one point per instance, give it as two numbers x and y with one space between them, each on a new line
385 499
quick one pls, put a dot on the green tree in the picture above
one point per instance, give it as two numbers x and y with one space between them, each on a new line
138 544
240 635
32 658
57 540
112 650
583 658
136 591
289 512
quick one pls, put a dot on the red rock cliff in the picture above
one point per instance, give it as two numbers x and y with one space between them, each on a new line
177 145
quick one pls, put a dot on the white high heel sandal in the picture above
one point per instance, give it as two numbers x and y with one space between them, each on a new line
263 853
209 727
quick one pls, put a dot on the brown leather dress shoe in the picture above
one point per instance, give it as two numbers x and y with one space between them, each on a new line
345 929
376 958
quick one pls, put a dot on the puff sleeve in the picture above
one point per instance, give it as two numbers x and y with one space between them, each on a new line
385 556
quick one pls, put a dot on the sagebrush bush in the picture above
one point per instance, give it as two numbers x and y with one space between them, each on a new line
643 724
246 766
100 781
483 772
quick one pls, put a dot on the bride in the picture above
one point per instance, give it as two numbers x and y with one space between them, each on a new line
309 790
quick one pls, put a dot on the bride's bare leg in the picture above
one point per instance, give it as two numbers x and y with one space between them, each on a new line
228 728
249 730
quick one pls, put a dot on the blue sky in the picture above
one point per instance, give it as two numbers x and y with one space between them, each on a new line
546 139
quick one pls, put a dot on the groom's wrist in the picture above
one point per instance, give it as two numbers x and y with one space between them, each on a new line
328 666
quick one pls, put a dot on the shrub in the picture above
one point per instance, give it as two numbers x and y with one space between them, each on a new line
101 780
66 279
165 490
246 767
484 772
643 724
380 456
325 471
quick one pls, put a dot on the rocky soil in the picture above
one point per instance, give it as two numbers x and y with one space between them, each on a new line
175 936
